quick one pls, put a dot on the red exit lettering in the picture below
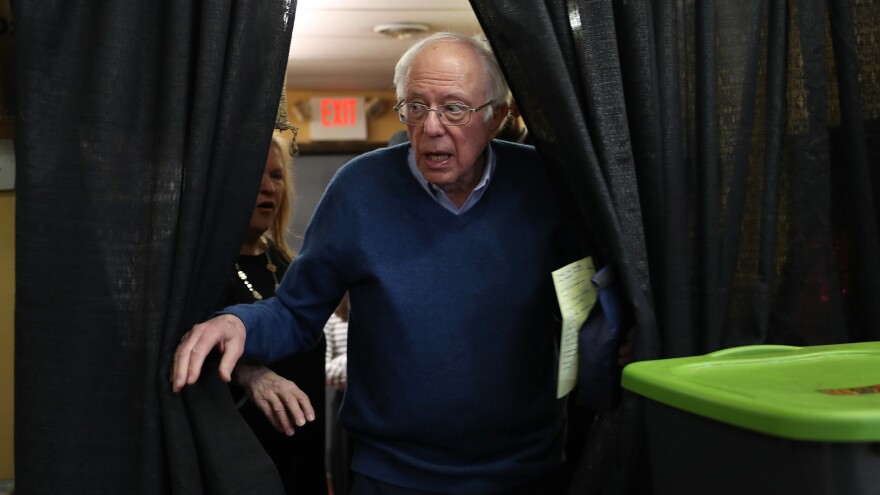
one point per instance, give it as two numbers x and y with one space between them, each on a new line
338 112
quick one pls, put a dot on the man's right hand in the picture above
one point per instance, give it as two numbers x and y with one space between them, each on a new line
225 332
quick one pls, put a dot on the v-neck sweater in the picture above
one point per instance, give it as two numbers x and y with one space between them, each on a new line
453 332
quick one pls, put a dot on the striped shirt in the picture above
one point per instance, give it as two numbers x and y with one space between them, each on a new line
336 334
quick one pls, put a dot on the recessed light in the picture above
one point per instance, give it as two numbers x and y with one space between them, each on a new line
401 30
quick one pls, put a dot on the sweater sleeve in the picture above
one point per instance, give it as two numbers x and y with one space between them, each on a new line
293 321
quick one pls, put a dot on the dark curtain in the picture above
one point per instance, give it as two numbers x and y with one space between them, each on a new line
722 156
141 135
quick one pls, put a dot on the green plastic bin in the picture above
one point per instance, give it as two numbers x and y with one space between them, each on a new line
764 419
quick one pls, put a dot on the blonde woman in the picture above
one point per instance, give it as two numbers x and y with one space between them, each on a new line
277 401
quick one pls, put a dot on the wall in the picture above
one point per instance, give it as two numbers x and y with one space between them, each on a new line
7 256
311 174
7 298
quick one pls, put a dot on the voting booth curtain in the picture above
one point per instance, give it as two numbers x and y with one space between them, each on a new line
141 135
722 155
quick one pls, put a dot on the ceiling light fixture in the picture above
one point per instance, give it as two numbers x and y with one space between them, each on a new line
401 30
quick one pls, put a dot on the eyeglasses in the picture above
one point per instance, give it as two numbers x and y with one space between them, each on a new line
450 114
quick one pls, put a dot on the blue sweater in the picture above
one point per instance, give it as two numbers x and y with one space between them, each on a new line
453 336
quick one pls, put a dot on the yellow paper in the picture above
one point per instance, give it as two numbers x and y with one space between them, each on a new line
576 295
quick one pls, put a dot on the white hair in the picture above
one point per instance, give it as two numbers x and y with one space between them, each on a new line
496 91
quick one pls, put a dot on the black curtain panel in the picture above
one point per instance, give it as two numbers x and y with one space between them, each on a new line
141 135
722 156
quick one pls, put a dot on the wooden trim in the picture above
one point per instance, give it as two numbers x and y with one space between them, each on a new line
338 147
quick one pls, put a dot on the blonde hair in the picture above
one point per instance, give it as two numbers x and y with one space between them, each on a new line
277 233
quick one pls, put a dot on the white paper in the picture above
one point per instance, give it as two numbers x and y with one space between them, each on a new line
576 295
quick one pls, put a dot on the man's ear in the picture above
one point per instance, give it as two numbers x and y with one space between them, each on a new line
501 117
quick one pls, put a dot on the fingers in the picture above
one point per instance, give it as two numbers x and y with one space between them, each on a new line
274 411
232 351
282 402
188 360
299 405
287 409
225 332
282 422
181 362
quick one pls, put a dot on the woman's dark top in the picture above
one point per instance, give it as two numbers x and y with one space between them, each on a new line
299 458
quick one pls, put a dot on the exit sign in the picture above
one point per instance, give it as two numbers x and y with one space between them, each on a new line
338 118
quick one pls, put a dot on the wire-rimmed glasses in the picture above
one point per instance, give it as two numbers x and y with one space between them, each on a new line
449 114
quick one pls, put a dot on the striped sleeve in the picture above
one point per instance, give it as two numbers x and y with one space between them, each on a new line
336 334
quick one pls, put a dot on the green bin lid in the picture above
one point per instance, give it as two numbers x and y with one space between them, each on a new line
827 393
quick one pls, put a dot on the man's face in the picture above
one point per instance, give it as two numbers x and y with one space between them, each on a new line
450 157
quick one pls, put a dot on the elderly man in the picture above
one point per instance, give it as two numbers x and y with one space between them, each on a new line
446 246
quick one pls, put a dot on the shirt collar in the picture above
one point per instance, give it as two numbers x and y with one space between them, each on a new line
441 198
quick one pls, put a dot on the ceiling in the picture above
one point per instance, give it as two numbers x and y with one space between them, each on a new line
334 46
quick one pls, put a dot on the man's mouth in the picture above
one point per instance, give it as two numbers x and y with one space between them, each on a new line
437 157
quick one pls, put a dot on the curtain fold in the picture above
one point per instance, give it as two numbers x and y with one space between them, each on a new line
719 156
559 60
141 135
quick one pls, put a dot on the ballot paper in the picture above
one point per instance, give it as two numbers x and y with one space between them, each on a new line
576 294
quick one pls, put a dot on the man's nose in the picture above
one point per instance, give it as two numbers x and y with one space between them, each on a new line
432 123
